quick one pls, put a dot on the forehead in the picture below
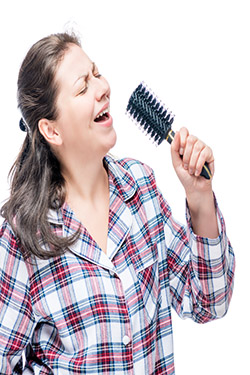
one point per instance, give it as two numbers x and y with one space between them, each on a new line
74 64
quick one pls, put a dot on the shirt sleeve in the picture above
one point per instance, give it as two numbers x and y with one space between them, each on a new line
201 270
16 317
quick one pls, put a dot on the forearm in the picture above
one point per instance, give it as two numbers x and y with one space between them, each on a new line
203 214
198 190
201 279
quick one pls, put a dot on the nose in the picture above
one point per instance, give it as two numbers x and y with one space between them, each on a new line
102 88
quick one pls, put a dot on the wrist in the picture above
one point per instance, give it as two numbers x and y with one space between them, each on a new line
203 214
200 201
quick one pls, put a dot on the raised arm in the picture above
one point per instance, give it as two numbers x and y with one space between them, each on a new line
189 155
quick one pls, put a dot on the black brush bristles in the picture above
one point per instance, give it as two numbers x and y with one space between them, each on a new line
153 118
149 113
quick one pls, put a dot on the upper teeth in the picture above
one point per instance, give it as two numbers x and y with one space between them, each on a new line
103 113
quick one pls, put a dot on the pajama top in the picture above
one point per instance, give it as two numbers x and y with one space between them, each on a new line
87 312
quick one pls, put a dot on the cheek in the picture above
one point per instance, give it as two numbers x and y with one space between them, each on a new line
83 110
77 114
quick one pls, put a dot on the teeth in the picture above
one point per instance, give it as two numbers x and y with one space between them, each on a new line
103 113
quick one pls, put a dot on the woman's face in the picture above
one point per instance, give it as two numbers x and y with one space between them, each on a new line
84 122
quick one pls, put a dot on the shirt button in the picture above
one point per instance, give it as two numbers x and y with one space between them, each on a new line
126 340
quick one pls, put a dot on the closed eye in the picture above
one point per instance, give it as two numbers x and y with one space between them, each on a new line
85 88
83 91
95 71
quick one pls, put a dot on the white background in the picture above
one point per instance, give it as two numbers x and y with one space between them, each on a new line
195 55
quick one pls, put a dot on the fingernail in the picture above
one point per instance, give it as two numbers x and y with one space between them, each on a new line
191 171
181 151
197 173
185 166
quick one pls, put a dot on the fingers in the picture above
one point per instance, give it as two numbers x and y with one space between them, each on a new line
206 155
193 155
194 152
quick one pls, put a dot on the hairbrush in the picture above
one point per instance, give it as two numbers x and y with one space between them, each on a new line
154 118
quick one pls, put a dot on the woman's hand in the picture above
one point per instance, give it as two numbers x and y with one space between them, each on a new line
189 154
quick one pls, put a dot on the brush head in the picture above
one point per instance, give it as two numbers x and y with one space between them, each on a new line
151 115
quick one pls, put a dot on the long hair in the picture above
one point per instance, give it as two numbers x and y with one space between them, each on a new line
37 184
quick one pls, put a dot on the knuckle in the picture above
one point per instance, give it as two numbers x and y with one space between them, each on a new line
199 146
183 129
192 164
183 136
191 140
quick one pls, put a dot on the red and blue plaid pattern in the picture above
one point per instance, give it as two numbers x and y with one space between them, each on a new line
88 312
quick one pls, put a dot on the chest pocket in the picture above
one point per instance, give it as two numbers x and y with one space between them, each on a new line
148 277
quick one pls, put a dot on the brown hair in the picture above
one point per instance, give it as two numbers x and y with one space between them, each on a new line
36 180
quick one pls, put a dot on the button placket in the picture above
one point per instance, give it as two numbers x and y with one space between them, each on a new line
127 333
112 273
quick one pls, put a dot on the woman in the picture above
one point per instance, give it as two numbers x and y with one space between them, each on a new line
91 258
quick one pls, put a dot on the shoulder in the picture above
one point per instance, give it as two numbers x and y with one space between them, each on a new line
9 244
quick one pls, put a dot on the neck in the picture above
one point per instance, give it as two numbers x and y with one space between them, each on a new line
85 181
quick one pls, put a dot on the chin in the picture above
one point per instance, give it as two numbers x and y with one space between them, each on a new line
111 140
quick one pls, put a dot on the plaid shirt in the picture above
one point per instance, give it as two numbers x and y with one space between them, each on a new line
87 312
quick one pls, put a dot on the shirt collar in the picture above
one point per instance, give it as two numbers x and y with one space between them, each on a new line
55 216
120 177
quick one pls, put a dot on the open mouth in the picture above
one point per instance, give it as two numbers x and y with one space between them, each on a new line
103 116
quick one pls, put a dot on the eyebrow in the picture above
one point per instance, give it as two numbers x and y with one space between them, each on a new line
86 75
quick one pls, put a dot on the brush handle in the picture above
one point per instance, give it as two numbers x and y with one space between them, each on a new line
205 170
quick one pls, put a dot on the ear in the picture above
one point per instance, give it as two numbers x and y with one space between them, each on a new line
49 131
